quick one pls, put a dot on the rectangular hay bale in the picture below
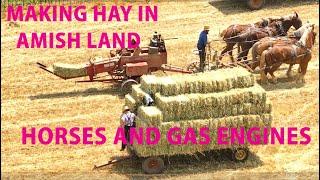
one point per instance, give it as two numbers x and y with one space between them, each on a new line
130 102
69 70
207 82
150 114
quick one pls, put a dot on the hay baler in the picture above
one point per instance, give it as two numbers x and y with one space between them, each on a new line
125 68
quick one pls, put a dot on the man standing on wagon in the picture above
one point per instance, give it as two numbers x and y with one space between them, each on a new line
202 42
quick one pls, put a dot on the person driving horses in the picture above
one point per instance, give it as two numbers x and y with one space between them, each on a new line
202 42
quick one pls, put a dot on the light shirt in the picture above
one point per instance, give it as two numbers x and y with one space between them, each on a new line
128 118
148 100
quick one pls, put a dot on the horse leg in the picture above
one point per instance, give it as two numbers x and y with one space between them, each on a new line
244 52
272 70
231 55
299 69
289 72
226 50
303 72
262 65
254 64
245 57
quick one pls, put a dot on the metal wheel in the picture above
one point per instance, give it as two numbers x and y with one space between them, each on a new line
131 152
127 85
240 154
255 4
153 165
194 67
117 75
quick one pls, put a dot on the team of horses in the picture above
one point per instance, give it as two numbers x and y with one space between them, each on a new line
271 46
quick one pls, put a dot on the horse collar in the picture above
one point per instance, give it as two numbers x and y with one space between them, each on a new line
299 44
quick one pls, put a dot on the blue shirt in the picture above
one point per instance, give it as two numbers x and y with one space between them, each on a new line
202 40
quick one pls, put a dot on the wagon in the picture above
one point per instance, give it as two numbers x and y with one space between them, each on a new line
228 98
156 164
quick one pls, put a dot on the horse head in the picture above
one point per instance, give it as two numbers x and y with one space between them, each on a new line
264 22
291 20
296 21
308 38
299 32
313 36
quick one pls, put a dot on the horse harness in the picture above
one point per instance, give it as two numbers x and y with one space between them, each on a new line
294 52
300 45
280 28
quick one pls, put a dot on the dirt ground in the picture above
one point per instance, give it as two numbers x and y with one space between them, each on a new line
32 98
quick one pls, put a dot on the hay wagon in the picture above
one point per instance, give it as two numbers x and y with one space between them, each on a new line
228 97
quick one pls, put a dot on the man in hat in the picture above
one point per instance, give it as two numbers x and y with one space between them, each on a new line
202 42
154 41
148 100
137 50
127 122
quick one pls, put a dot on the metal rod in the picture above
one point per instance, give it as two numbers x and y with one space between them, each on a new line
110 162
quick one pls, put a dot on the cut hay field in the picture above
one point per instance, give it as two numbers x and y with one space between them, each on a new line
33 98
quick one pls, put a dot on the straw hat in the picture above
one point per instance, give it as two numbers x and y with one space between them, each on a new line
126 108
206 28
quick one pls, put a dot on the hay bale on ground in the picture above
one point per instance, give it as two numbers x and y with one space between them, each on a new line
69 70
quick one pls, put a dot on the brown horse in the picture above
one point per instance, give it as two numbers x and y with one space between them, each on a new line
241 33
233 31
298 53
275 28
267 42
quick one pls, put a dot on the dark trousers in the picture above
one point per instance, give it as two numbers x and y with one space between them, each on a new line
202 55
127 135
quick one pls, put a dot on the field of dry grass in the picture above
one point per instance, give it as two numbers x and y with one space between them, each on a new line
32 98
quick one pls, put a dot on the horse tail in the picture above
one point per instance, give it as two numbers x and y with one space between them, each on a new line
254 52
268 58
262 66
255 60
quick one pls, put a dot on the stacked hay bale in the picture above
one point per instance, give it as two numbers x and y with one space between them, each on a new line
222 98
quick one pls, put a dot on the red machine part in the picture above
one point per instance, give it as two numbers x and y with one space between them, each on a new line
136 69
100 67
125 67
